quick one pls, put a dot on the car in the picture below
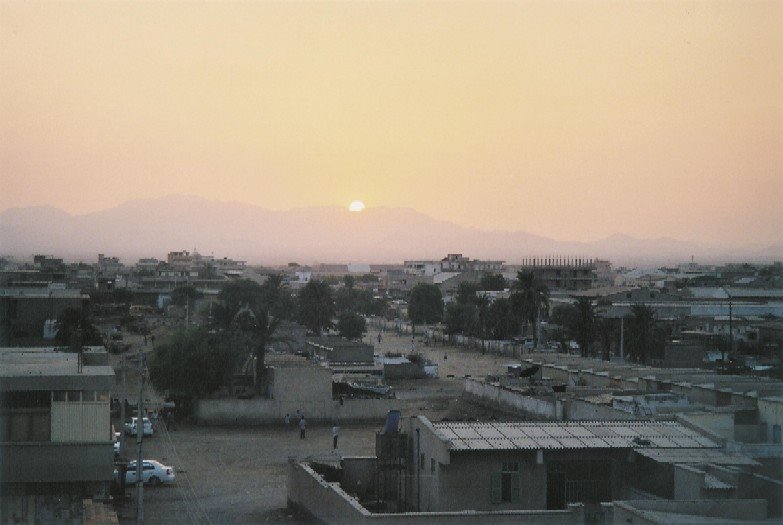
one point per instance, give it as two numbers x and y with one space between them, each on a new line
130 427
153 473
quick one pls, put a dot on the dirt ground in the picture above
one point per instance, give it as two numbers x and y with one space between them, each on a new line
238 475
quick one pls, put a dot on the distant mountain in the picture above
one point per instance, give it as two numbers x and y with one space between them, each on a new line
153 227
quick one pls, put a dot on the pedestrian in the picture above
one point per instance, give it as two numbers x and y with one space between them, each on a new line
379 338
145 340
302 427
335 435
287 420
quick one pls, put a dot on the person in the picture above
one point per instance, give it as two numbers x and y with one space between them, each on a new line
287 420
302 427
379 338
335 435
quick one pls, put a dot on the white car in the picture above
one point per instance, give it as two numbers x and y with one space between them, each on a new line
130 427
152 472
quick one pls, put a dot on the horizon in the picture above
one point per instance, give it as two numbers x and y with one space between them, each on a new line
575 122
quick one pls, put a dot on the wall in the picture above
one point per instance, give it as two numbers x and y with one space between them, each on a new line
56 462
624 512
550 408
578 409
771 413
300 383
328 503
86 421
265 411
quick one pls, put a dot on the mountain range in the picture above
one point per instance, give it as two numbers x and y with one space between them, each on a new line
154 227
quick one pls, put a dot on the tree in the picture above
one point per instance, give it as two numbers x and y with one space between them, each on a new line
466 292
502 321
194 363
640 327
234 296
184 295
425 305
316 306
75 329
584 327
606 334
493 282
529 296
459 318
351 325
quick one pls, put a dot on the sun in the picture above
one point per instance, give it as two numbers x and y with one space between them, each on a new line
356 206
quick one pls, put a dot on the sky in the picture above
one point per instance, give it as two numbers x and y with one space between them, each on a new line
574 120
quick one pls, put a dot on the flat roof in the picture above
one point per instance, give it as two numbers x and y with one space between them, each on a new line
570 435
23 369
43 293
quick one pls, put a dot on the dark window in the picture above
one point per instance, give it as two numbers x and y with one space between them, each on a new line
506 485
776 433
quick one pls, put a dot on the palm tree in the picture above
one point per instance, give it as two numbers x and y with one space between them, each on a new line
530 296
584 329
640 336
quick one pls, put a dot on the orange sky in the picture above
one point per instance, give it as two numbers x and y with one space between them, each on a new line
573 120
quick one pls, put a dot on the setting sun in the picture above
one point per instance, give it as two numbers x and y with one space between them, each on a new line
356 206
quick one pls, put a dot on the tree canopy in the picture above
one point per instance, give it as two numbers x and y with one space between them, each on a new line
351 325
184 295
75 329
316 306
193 363
493 282
425 304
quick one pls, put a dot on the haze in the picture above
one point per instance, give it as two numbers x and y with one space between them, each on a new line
574 120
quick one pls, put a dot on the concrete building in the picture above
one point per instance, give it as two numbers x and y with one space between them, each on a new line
55 429
338 350
558 273
24 312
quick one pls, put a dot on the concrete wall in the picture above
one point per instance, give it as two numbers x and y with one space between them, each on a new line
771 413
86 421
329 503
550 408
299 383
578 409
638 512
272 411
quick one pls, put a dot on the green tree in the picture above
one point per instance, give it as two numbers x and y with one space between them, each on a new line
640 328
234 296
584 327
184 295
493 282
530 296
316 306
351 325
502 319
466 292
75 329
459 318
425 305
193 363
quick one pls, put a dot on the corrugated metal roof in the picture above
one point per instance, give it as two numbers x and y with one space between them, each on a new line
571 435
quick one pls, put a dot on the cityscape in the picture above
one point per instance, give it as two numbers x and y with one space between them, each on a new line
391 263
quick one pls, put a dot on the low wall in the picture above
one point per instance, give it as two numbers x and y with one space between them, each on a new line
637 512
580 410
266 411
329 503
513 400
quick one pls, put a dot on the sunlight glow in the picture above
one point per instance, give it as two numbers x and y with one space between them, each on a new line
356 206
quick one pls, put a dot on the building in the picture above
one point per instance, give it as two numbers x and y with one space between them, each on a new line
558 273
55 428
25 311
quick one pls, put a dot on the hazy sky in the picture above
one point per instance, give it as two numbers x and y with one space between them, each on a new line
574 120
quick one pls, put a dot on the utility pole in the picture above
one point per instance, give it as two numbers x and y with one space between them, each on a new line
139 437
123 398
731 333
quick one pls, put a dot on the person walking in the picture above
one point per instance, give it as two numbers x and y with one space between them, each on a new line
335 435
302 427
287 420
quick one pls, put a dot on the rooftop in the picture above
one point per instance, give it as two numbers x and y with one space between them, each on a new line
570 435
50 369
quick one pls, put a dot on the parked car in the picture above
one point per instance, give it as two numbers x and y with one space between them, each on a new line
152 472
130 427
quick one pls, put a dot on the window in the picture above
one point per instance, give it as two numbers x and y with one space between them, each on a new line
432 465
58 395
776 433
506 485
